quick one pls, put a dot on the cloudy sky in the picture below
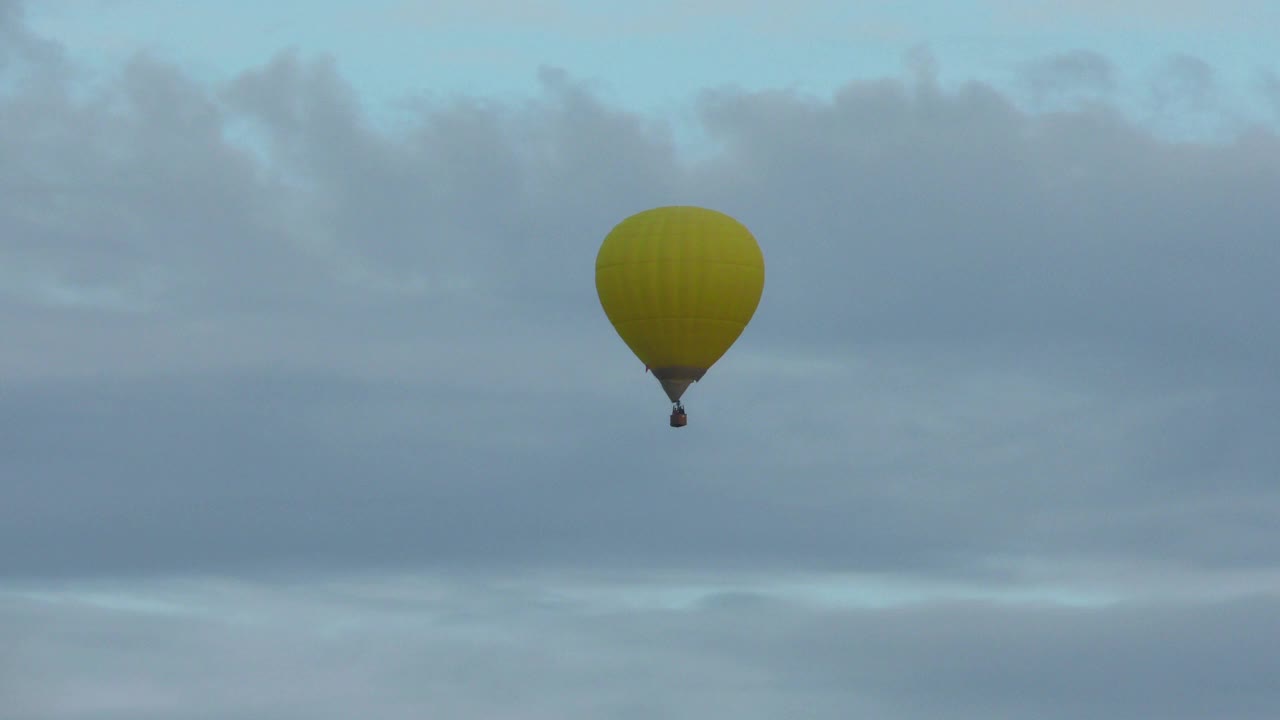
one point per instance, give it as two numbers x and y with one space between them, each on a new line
308 408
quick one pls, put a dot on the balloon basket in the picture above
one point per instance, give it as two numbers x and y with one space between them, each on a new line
679 419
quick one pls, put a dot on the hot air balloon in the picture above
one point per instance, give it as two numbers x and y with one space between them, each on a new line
679 284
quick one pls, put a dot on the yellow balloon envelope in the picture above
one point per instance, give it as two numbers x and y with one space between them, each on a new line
679 285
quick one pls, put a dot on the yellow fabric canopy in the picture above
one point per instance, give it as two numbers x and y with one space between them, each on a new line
679 284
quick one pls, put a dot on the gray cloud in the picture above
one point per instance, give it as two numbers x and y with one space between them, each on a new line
1184 83
1269 83
11 16
399 648
255 327
18 47
1068 73
253 332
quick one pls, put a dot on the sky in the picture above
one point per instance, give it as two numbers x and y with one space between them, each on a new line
310 409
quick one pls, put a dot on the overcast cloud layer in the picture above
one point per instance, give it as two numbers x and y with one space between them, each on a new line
999 443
